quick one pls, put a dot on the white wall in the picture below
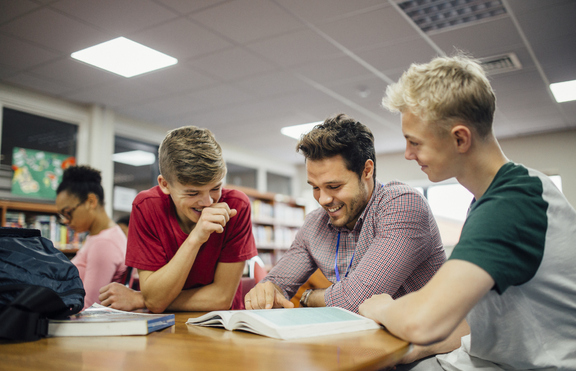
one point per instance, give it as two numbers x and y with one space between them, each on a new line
552 154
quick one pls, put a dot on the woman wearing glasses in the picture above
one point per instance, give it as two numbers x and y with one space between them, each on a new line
80 204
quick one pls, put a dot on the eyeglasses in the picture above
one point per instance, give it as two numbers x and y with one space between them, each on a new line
66 215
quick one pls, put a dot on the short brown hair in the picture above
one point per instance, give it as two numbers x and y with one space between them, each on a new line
191 156
340 135
445 90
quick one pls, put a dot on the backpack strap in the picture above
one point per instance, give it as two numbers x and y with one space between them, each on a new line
25 318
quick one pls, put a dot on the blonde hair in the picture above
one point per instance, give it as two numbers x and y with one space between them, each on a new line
445 90
191 156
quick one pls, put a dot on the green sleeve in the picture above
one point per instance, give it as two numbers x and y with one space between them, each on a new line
505 233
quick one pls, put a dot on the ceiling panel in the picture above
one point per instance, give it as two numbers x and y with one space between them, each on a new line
15 8
187 6
396 57
248 67
377 27
248 20
116 17
498 36
175 79
321 11
75 74
231 64
296 48
54 30
182 39
22 54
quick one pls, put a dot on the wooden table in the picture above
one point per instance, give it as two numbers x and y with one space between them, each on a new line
201 348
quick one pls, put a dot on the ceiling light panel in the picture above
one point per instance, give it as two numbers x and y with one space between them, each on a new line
124 57
296 131
135 158
564 91
434 15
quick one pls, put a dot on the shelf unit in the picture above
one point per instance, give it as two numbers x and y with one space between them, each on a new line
42 216
275 220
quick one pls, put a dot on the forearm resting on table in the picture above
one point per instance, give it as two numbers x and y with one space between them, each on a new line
160 288
157 291
206 298
433 313
449 344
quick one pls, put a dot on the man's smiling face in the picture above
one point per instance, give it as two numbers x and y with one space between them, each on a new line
340 191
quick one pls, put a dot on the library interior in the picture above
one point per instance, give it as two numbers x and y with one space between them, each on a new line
249 70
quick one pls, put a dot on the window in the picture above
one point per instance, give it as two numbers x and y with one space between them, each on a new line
130 179
239 175
450 203
278 183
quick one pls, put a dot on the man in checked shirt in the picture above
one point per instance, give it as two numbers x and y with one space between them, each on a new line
368 238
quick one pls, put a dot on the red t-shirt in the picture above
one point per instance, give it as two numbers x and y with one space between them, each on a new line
154 237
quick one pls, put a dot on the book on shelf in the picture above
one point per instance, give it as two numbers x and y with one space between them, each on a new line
287 323
99 320
63 237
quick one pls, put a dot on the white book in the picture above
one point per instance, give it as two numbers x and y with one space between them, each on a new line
287 323
99 320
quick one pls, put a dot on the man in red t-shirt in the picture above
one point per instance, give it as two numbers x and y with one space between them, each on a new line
188 237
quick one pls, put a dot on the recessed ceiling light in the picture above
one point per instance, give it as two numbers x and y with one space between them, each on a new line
135 158
295 131
124 57
564 91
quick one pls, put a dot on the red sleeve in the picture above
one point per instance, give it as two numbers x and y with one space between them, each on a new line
239 244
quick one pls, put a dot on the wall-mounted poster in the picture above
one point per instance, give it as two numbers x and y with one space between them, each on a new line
38 173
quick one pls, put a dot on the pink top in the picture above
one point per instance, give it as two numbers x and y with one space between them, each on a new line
100 261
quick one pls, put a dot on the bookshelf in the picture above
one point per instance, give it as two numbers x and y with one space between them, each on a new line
42 216
275 221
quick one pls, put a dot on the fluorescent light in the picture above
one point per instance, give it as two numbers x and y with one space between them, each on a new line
124 57
295 131
135 158
564 91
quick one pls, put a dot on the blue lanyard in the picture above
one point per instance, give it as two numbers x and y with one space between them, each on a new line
336 261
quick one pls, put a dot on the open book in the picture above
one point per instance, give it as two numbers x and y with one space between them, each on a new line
287 323
103 321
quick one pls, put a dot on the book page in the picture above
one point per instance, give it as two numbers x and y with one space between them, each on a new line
218 318
305 316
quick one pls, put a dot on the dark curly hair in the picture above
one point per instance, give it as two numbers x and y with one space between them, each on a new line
340 135
81 181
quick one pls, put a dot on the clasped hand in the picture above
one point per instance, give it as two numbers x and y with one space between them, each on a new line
213 219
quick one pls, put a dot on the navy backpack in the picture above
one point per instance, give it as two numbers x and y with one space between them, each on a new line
37 283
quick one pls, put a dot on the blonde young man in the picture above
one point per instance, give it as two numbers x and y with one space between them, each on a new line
511 275
188 236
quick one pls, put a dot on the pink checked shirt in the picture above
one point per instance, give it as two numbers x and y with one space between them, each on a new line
397 243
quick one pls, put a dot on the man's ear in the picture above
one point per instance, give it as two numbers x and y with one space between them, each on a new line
163 183
462 137
368 172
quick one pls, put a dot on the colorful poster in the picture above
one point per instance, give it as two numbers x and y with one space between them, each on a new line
38 173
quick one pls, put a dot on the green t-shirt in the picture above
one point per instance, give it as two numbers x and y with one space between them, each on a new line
505 230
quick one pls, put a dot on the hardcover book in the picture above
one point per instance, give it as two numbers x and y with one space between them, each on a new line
287 323
103 321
